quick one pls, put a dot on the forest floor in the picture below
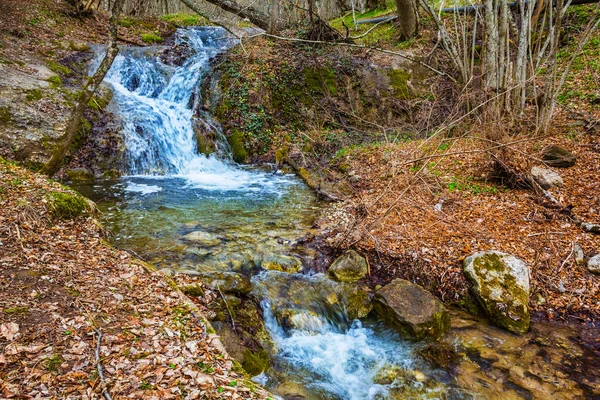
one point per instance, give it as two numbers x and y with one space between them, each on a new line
72 306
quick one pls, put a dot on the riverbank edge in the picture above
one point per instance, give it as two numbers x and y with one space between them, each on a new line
90 284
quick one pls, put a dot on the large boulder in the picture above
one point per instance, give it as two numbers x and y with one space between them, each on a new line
593 264
500 283
411 310
349 267
556 156
546 178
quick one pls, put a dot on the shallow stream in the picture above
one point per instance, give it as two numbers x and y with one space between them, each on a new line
188 213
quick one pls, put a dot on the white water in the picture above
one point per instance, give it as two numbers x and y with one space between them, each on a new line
156 103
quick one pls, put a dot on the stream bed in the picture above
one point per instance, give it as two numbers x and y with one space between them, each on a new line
187 213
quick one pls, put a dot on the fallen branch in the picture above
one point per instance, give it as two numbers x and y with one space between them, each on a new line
105 392
227 306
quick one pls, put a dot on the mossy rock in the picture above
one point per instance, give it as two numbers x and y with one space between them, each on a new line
80 175
399 82
349 267
321 80
255 362
411 310
6 117
500 283
236 141
282 263
65 206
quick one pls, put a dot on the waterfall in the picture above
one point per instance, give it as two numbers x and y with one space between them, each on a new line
156 103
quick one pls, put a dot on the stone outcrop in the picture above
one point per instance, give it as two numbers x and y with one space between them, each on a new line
556 156
411 310
546 178
349 267
500 283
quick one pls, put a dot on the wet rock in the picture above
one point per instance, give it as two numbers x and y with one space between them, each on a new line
411 310
556 156
80 175
227 282
500 283
281 263
177 54
593 265
546 178
357 302
349 267
205 239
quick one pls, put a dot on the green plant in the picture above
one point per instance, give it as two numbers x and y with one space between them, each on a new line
65 206
150 38
33 95
52 363
58 68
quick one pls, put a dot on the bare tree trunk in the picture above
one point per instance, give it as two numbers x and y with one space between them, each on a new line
407 18
254 15
87 93
274 22
491 44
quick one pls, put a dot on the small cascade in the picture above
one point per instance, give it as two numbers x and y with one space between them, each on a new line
156 102
326 353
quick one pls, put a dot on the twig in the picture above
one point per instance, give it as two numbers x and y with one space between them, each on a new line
19 236
201 323
105 392
368 265
227 306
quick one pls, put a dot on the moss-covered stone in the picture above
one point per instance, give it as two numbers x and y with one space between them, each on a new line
80 175
321 80
255 362
411 310
282 263
500 283
64 206
399 81
5 116
349 267
236 141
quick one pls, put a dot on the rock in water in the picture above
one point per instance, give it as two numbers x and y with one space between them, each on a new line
501 285
556 156
202 238
281 263
546 177
593 264
226 282
411 310
349 267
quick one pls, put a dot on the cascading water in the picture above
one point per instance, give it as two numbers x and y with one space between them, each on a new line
156 103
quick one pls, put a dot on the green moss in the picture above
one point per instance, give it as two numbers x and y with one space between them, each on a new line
126 22
398 80
150 38
34 95
255 362
321 80
55 81
186 20
58 68
6 117
236 141
79 46
16 310
193 290
53 363
63 206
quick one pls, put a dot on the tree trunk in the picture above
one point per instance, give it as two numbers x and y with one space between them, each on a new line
253 15
407 18
90 87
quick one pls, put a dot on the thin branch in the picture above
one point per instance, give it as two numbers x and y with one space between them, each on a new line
105 392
